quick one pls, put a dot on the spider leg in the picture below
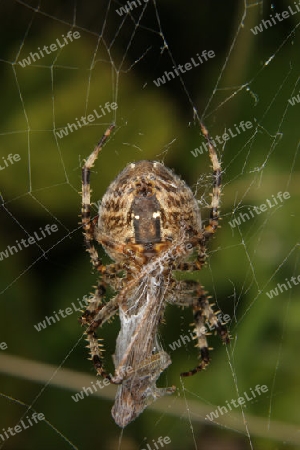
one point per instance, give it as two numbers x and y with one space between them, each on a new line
202 309
212 226
98 312
95 315
204 313
88 225
192 266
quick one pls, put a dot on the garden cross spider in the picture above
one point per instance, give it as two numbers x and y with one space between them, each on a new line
149 223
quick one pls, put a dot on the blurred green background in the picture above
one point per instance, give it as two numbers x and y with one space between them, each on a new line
116 59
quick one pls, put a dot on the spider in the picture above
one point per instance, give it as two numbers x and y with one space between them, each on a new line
149 224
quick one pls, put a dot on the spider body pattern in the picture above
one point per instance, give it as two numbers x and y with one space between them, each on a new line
149 223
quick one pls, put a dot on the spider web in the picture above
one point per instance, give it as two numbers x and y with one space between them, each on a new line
105 75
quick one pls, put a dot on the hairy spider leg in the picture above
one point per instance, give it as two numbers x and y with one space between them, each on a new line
101 314
203 313
88 226
87 223
201 307
213 224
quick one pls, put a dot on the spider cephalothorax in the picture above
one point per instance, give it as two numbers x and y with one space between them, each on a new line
149 224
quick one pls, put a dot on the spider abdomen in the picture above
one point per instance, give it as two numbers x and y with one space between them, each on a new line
147 204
